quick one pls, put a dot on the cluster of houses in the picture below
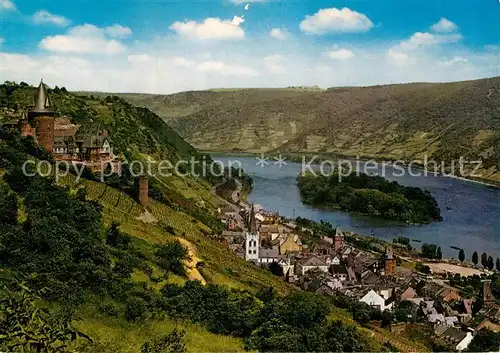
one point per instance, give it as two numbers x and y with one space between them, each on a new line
332 266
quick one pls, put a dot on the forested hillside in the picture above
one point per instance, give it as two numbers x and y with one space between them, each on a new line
408 121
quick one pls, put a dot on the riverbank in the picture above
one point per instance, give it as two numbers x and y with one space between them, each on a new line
298 158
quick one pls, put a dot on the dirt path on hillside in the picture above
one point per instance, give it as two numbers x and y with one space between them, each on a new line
191 270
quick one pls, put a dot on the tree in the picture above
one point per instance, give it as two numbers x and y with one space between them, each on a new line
170 257
429 251
485 341
404 312
136 309
8 206
362 313
461 255
276 269
484 260
420 267
387 317
498 264
490 264
475 258
439 253
26 326
117 239
170 343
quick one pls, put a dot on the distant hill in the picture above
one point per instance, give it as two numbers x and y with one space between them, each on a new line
405 121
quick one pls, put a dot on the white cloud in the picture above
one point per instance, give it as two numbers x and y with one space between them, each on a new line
455 60
118 31
275 64
340 54
335 20
44 16
444 26
7 5
278 33
399 58
210 28
87 39
222 68
422 39
181 61
188 69
139 58
172 64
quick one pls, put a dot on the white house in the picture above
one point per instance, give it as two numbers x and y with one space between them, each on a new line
464 343
458 338
310 263
377 301
106 147
287 265
267 256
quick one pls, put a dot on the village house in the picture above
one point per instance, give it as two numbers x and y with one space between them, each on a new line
291 245
459 339
309 263
267 256
339 270
286 264
377 301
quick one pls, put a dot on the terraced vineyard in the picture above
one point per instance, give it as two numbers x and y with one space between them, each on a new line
112 199
222 263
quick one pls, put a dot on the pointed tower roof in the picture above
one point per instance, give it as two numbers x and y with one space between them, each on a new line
389 253
338 231
252 222
42 102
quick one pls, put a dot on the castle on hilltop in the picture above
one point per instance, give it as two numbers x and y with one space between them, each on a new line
78 144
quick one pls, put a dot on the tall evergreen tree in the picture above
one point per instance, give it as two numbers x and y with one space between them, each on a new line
461 255
475 258
484 260
439 253
498 264
491 264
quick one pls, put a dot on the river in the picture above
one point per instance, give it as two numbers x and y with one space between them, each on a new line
471 211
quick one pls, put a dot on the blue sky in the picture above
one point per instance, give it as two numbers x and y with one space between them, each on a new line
169 46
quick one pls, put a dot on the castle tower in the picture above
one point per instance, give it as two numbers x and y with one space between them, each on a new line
488 298
389 261
338 239
43 118
143 190
252 239
25 128
45 131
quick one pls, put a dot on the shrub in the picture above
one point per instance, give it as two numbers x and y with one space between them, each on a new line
107 307
136 309
170 257
170 343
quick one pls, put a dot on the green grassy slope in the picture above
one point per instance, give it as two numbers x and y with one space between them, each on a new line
407 121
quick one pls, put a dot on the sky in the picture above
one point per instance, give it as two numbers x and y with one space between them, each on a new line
168 46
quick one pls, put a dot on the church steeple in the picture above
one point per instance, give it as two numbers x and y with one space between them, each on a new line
252 222
42 102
